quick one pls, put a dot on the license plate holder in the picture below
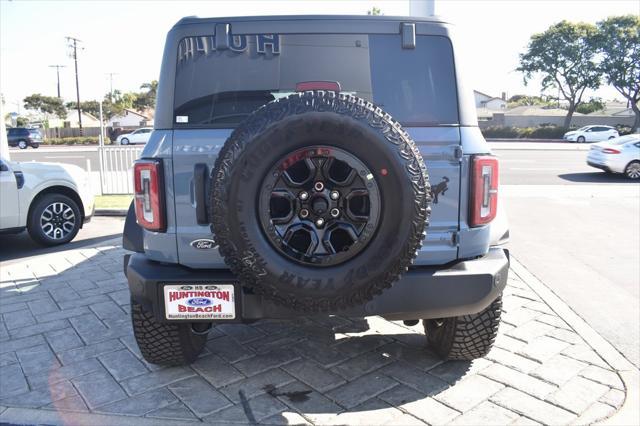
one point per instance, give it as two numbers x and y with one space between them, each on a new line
199 302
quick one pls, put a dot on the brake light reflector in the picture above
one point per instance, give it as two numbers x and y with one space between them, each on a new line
318 85
149 194
484 190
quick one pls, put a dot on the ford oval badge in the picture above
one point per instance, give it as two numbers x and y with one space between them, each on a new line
203 244
199 301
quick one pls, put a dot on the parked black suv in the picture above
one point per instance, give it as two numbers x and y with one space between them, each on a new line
22 138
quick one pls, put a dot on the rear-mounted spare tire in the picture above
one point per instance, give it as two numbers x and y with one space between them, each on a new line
319 201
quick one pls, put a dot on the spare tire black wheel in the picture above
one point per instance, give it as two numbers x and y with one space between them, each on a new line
319 201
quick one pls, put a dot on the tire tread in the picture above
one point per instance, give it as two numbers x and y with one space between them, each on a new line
164 343
466 337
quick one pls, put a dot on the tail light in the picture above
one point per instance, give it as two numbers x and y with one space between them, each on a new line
149 194
610 151
484 190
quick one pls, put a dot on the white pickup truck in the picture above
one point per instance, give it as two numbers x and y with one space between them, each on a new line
52 201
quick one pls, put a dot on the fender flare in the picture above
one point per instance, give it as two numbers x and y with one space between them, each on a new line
132 234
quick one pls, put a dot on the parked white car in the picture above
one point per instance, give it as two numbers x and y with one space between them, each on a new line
52 201
591 134
619 155
141 135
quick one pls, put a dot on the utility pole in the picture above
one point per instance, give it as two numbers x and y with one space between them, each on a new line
111 74
73 43
422 7
57 67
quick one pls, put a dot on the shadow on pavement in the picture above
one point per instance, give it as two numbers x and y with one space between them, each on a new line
329 351
18 246
596 177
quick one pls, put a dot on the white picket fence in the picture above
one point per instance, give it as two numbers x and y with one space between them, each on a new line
116 168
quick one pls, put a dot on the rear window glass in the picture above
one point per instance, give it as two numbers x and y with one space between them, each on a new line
218 88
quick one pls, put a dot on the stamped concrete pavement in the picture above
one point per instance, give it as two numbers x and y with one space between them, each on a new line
68 355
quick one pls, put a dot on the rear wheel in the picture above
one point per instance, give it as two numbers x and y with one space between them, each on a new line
166 343
23 144
632 171
465 337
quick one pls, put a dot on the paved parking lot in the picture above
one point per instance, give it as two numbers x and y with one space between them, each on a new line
66 345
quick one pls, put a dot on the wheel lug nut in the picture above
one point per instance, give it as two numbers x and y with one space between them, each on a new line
304 195
335 212
335 195
319 222
318 186
304 213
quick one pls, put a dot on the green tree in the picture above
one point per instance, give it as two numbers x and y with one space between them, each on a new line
618 40
594 104
22 121
45 104
374 11
146 99
564 55
526 100
90 107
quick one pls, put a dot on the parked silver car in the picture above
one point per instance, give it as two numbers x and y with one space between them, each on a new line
619 155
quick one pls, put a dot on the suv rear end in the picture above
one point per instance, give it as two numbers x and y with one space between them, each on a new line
23 138
216 74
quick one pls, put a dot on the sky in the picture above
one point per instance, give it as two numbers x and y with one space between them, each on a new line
127 37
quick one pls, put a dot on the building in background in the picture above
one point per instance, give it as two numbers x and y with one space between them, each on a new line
130 118
490 102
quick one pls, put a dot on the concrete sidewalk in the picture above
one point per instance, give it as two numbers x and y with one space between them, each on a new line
67 355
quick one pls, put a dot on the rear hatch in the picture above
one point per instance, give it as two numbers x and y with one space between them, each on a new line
221 79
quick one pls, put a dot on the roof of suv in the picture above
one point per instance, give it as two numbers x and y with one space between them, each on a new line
198 20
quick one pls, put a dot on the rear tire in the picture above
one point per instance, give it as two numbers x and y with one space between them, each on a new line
23 144
632 171
165 343
465 337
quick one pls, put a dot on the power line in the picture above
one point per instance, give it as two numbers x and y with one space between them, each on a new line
57 67
73 43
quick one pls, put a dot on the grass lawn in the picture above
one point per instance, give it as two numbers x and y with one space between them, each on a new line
113 201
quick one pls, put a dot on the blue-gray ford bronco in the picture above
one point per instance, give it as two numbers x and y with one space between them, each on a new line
314 165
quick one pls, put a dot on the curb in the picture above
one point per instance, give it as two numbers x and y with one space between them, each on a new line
629 412
110 212
17 416
516 140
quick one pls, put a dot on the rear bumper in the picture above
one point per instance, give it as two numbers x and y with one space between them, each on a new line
461 288
598 166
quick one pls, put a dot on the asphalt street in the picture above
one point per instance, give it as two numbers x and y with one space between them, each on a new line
574 227
58 154
578 230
